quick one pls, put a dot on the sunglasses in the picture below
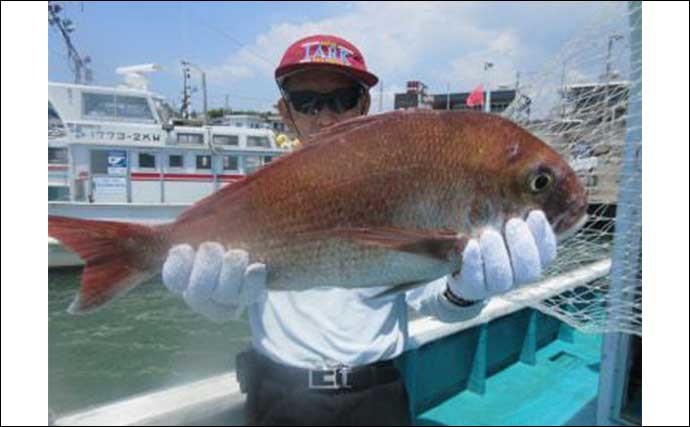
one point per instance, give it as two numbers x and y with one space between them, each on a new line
338 101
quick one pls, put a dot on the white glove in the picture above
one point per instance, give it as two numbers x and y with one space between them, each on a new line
216 284
492 266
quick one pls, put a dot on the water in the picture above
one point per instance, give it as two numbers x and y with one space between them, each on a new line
146 340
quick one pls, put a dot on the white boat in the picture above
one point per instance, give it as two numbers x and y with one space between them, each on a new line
118 153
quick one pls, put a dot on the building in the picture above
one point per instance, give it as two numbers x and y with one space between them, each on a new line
590 130
594 103
416 96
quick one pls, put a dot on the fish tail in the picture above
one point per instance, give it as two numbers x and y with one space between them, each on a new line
118 256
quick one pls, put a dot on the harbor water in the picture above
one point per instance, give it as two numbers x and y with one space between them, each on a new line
146 340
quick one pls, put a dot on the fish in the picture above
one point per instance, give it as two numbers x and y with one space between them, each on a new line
388 200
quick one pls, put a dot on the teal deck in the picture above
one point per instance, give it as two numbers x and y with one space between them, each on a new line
546 374
560 389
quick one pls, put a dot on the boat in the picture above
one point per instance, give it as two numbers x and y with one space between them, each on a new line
120 153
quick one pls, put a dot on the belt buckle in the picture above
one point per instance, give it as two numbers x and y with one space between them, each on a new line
327 379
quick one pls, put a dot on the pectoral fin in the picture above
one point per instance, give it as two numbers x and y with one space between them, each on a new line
440 245
403 287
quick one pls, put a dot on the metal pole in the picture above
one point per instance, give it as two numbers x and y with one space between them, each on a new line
612 38
607 76
487 104
448 96
381 97
203 87
517 81
563 89
625 267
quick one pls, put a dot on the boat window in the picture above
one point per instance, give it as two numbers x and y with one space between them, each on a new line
58 193
56 128
268 159
230 163
226 139
133 107
57 155
98 105
52 113
203 162
99 162
190 138
175 161
165 111
258 141
251 163
116 107
147 160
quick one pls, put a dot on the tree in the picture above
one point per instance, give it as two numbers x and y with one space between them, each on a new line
216 113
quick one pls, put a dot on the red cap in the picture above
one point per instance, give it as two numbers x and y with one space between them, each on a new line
324 51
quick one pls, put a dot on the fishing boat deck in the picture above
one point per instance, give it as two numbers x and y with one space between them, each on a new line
559 389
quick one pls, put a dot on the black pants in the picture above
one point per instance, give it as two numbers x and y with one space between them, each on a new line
271 402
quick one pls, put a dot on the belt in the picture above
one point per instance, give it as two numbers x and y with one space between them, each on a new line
337 378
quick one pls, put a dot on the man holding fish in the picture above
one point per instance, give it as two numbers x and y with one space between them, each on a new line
323 355
328 246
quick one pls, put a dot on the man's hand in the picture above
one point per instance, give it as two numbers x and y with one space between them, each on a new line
215 283
492 266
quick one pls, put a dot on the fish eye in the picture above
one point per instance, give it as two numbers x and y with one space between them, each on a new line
540 181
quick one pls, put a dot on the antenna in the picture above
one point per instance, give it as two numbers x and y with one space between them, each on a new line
65 26
135 75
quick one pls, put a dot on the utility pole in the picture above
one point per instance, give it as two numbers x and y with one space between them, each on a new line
79 65
203 86
227 104
186 94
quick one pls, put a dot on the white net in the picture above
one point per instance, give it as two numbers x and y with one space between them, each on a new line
586 104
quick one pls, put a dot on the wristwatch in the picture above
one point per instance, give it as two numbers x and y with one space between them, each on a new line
454 299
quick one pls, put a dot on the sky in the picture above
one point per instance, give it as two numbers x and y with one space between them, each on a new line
239 44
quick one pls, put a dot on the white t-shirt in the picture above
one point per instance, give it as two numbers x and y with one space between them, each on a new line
324 327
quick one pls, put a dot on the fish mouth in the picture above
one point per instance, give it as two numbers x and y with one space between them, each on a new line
570 231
